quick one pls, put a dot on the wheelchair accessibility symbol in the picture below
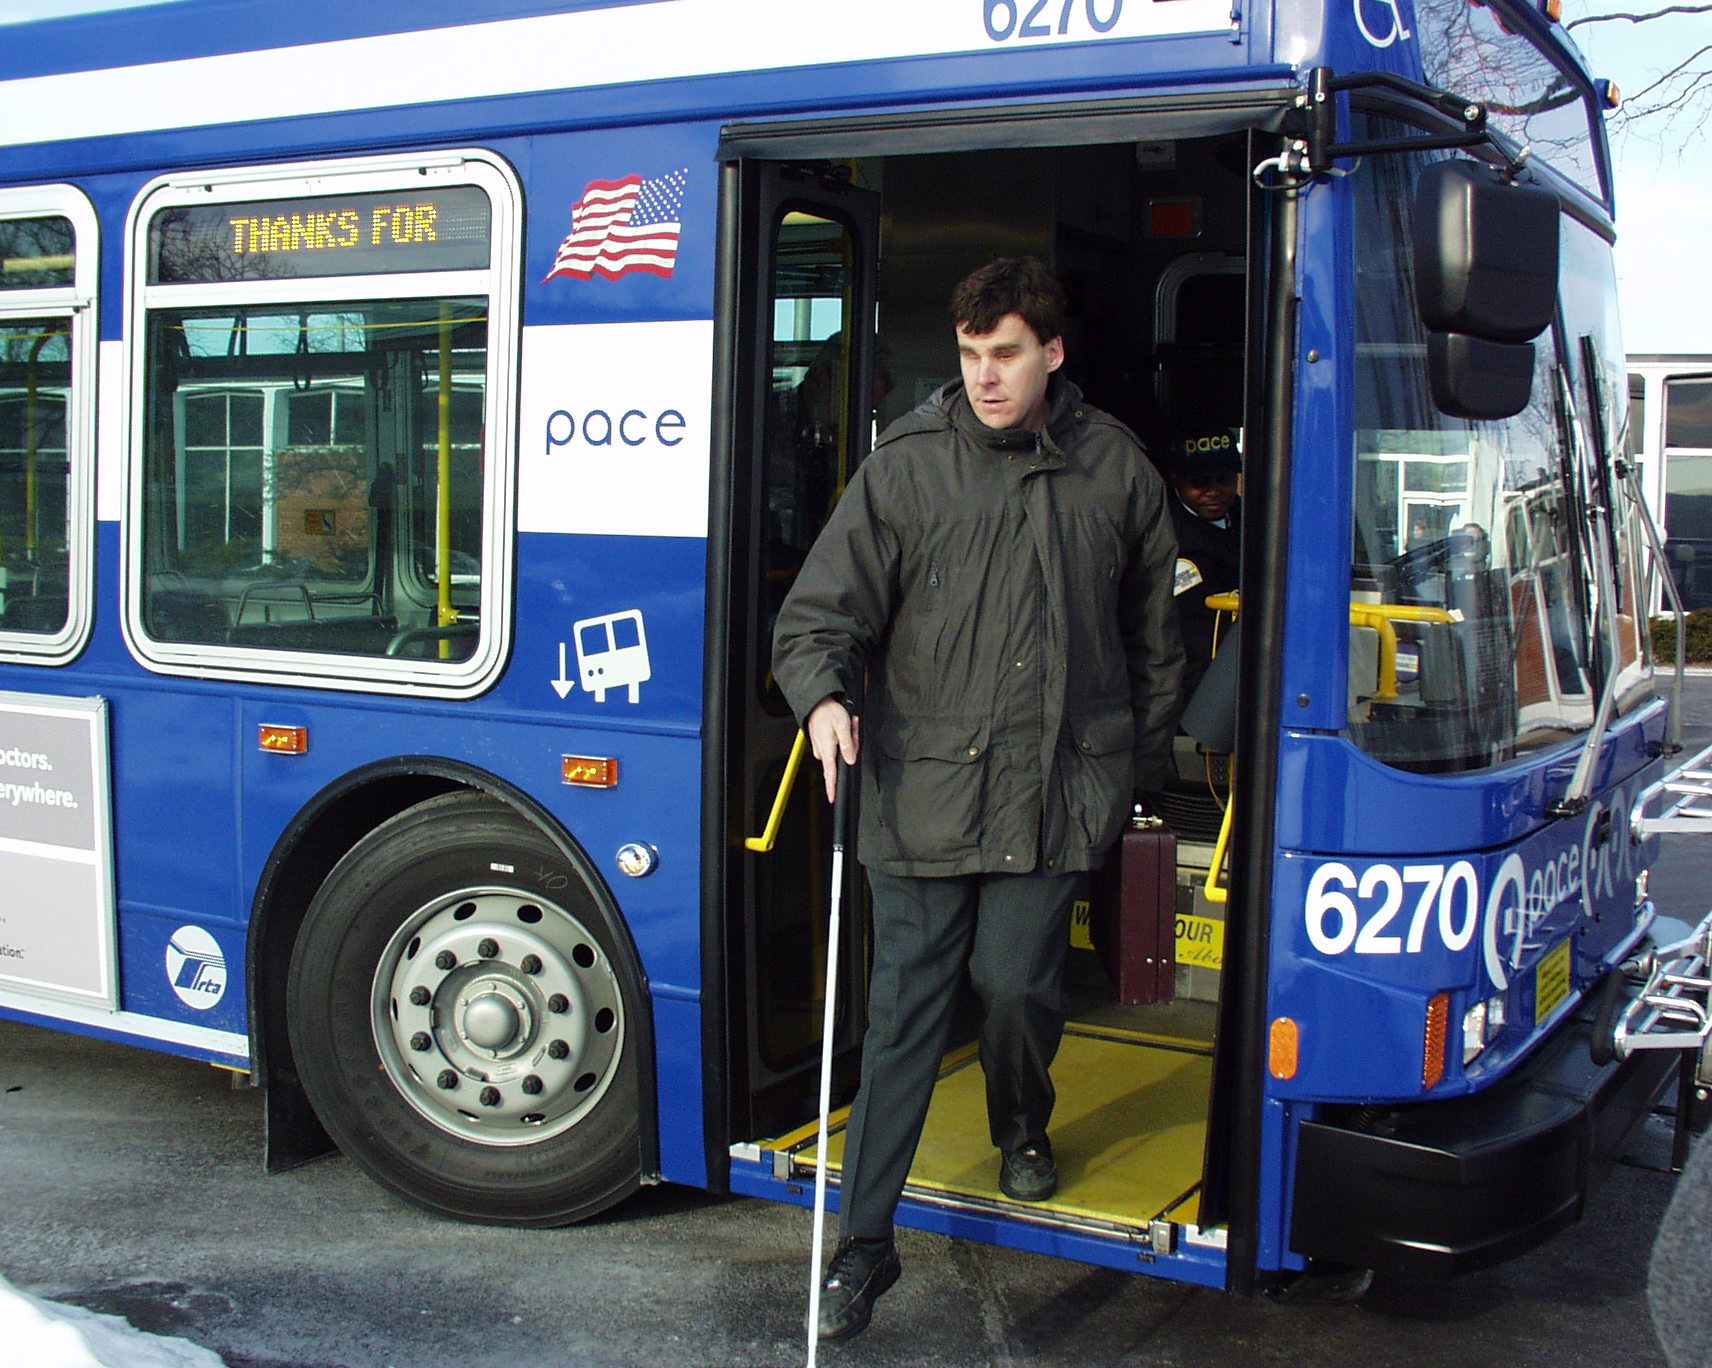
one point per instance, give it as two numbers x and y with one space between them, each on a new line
1390 27
612 653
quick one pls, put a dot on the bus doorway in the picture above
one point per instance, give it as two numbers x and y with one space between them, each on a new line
1152 239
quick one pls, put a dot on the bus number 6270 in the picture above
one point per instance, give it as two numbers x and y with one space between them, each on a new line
1336 923
1003 17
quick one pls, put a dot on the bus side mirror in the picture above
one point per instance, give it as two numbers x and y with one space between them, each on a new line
1474 378
1486 264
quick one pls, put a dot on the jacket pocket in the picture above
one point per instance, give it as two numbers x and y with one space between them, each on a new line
931 782
1098 775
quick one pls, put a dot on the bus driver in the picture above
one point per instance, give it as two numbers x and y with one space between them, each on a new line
995 586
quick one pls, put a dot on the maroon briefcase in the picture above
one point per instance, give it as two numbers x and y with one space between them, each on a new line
1132 913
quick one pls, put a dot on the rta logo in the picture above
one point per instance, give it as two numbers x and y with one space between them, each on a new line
196 968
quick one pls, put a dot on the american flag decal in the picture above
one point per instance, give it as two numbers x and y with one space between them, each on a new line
622 226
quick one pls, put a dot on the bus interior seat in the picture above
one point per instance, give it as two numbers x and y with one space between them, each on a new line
185 615
37 613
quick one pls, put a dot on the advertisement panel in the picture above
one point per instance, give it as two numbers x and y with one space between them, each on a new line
56 859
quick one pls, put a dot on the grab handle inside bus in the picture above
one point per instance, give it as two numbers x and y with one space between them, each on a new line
764 842
1378 618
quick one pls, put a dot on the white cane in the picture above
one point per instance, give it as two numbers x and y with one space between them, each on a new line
840 835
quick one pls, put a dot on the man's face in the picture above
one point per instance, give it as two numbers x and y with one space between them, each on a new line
1005 373
1207 496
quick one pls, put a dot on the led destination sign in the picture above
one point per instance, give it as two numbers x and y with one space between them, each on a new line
444 230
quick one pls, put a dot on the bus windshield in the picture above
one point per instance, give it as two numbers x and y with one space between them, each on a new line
1465 546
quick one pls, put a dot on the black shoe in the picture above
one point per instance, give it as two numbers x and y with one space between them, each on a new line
1029 1173
859 1272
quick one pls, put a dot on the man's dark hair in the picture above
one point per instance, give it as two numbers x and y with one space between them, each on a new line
1010 285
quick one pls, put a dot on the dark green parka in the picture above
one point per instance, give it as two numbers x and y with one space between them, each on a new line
1000 603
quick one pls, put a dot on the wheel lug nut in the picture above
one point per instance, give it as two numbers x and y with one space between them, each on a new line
531 964
420 996
488 948
490 1097
447 1079
532 1085
558 1003
445 960
557 1049
421 1041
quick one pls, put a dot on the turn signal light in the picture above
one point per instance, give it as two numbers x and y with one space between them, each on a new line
1437 1036
284 740
590 771
1283 1049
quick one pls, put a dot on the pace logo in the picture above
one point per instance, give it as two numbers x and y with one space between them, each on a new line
196 968
1523 895
617 439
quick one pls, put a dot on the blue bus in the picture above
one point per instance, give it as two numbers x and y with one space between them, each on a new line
411 422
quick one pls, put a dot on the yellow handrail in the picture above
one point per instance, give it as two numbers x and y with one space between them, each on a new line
445 615
764 842
32 446
1378 617
1214 891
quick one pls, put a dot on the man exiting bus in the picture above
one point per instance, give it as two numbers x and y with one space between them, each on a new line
995 588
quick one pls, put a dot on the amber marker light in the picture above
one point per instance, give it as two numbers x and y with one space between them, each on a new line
1437 1038
1553 10
590 771
284 740
1282 1048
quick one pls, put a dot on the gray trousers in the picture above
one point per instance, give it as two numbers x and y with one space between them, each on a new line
1013 933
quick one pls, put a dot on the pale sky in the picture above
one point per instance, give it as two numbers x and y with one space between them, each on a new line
1664 199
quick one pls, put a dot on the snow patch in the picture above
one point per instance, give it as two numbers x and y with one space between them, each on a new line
45 1334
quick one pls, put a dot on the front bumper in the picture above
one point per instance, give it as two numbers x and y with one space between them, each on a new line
1433 1189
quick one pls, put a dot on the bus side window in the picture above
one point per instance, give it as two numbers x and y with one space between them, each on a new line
47 266
314 415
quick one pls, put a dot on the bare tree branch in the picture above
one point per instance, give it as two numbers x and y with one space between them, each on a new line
1639 18
1675 71
1670 106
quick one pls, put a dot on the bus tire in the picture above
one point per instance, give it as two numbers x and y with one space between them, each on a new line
461 1021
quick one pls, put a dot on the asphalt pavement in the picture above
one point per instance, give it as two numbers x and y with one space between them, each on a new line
131 1184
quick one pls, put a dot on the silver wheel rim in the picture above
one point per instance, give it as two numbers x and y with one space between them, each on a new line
497 1016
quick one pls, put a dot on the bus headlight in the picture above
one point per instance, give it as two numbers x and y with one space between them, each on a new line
1481 1025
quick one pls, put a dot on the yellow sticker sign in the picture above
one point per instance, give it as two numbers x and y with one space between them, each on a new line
1201 942
1551 983
1080 936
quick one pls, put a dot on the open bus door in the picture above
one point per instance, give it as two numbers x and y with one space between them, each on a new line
808 254
806 300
